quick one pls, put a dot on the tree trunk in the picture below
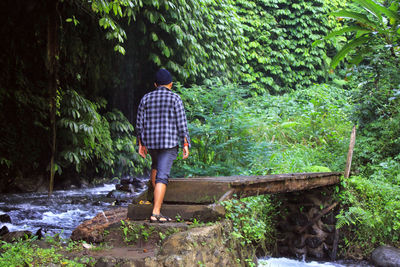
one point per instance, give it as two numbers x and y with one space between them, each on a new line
52 70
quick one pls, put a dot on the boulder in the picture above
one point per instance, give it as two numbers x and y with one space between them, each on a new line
4 230
386 256
92 230
22 184
117 194
206 246
15 236
5 218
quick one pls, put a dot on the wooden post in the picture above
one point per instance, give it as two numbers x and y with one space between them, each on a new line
52 70
350 153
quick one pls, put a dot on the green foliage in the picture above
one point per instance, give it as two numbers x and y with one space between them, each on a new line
193 39
234 133
372 26
133 232
376 97
278 36
92 141
371 210
27 253
253 220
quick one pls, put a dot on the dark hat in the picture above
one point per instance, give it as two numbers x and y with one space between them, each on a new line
163 77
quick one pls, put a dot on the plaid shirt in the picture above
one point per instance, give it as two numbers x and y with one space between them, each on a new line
161 120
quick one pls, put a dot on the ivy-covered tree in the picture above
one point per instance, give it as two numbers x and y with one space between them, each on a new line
279 36
78 46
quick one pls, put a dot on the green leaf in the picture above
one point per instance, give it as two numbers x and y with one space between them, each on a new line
347 29
347 48
120 49
370 6
359 17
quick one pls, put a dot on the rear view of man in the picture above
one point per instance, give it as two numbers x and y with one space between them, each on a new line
161 127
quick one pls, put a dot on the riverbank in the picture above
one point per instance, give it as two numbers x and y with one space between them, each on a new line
127 243
110 239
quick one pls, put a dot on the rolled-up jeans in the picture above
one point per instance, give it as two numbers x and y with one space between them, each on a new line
162 160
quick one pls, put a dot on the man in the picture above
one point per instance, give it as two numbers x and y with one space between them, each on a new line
161 127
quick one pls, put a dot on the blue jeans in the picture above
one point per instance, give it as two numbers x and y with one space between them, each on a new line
162 160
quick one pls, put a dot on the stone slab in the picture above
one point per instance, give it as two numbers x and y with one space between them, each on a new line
202 213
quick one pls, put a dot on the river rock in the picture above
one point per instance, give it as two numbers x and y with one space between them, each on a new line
15 236
23 184
5 218
4 230
92 230
117 194
386 256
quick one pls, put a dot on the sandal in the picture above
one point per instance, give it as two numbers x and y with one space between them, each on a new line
159 218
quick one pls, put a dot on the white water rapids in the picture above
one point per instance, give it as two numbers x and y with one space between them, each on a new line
61 213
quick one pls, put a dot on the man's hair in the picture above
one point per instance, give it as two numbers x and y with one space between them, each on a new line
163 77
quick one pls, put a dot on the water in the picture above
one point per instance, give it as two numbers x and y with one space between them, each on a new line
285 262
61 213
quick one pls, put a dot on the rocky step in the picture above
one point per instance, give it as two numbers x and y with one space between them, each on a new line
204 213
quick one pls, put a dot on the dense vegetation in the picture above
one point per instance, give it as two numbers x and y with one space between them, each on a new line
257 86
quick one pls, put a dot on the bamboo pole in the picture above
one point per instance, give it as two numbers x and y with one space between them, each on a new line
350 153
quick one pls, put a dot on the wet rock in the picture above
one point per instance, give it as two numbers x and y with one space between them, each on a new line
92 230
116 194
298 219
39 233
298 241
23 184
317 252
126 180
125 187
328 228
313 242
115 180
5 218
15 236
329 218
386 256
4 230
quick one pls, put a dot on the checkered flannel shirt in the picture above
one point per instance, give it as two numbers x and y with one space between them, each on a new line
161 120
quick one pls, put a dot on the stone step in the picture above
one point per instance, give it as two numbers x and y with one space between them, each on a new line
203 213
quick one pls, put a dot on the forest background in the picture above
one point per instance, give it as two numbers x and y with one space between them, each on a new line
256 78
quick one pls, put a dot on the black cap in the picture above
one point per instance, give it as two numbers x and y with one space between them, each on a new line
163 77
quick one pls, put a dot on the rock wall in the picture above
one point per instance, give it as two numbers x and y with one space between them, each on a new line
308 229
203 246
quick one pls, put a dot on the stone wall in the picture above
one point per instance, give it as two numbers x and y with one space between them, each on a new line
202 246
308 227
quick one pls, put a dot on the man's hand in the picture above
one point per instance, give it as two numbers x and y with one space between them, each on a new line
142 150
185 152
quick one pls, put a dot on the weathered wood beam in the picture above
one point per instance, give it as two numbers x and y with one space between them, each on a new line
289 184
206 190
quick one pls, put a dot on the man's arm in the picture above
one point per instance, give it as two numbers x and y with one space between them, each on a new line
182 127
142 149
139 129
185 149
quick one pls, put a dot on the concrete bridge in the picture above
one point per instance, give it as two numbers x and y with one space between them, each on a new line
307 224
200 197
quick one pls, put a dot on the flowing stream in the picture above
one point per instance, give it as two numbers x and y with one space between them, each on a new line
285 262
61 213
65 210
